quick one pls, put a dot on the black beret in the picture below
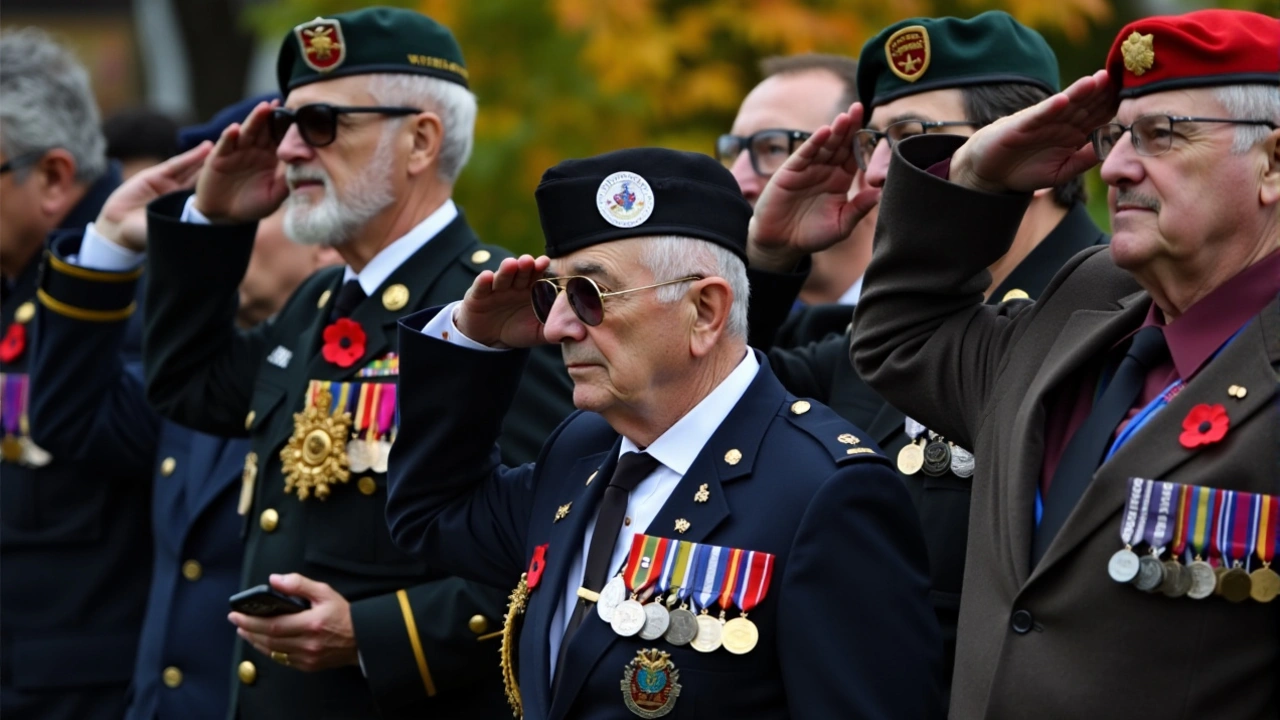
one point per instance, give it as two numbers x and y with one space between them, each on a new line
641 192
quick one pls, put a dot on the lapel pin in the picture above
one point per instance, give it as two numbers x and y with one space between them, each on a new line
1205 424
562 512
733 457
800 407
848 439
682 525
1237 391
395 297
703 494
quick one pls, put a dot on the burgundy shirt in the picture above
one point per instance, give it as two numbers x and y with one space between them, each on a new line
1193 339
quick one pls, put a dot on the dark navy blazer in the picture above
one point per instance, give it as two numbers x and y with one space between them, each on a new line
88 402
846 630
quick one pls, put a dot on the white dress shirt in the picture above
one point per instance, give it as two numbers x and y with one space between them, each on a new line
676 449
850 296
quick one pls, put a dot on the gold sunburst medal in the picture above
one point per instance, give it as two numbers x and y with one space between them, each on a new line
316 456
515 608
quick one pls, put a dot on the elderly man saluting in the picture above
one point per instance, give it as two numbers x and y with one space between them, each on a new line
691 490
1128 416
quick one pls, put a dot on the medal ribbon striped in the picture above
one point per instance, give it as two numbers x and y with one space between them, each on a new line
1180 532
1202 515
372 406
647 554
708 575
1222 530
1129 529
1162 528
757 571
732 565
1145 519
1241 520
1256 508
675 568
15 386
1266 537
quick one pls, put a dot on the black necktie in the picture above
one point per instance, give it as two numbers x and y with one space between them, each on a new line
350 295
1083 453
632 468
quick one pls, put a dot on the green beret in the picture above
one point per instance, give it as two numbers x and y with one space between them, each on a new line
370 40
922 54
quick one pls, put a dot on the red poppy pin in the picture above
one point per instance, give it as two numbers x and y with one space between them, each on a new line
536 566
13 343
343 342
1203 425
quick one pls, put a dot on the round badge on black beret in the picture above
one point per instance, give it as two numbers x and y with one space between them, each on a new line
625 200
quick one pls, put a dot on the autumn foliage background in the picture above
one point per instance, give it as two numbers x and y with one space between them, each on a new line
559 79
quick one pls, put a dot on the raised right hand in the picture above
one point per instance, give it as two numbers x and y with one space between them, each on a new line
242 181
497 310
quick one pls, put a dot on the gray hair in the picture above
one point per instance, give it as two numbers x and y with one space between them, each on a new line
1250 102
455 105
46 103
670 257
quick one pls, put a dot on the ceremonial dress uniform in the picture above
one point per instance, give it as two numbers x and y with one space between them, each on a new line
88 403
1042 627
75 548
844 628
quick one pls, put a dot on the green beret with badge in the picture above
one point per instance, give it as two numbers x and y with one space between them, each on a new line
370 40
922 54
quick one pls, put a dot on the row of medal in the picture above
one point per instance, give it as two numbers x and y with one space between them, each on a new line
1212 538
343 427
932 454
17 446
692 577
370 411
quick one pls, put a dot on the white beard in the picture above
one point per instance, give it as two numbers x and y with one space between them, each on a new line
334 220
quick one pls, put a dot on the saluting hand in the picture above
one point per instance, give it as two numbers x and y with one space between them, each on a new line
243 180
316 639
806 206
498 311
1040 146
123 218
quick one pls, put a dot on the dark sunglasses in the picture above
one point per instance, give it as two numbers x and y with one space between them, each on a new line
318 122
585 297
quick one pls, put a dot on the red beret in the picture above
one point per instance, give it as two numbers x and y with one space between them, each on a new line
1199 49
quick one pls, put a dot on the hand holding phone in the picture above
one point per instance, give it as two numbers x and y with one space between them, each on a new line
262 601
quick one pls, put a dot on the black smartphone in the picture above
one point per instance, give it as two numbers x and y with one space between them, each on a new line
262 601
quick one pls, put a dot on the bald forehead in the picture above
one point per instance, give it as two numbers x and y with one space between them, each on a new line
803 100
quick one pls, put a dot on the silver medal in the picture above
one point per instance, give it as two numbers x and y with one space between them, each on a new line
1203 580
961 462
1150 573
683 627
1123 567
628 618
656 621
611 597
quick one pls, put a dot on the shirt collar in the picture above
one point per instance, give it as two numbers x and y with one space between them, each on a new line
394 255
850 296
679 446
1197 334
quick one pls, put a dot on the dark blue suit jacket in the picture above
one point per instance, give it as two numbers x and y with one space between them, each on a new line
846 630
87 402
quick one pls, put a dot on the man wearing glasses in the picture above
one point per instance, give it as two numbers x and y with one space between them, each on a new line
799 94
687 450
1154 361
956 87
375 126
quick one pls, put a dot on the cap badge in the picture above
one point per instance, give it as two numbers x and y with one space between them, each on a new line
1139 53
625 200
908 53
323 48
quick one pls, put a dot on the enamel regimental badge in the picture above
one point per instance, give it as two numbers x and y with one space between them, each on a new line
650 684
625 200
323 48
908 52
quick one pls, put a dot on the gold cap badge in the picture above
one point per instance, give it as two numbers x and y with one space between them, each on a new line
908 52
1139 53
733 457
323 48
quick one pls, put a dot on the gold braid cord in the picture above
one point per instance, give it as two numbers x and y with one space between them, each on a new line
515 607
316 455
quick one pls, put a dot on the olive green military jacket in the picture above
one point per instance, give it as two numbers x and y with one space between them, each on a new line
423 636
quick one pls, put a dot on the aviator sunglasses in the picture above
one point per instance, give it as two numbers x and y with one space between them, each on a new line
318 122
585 297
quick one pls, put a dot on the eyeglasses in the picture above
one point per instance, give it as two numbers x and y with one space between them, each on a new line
865 141
21 161
585 296
768 149
318 122
1152 134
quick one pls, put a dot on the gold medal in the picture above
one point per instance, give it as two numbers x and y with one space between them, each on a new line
1234 585
515 607
316 455
11 449
911 459
709 634
740 635
1264 584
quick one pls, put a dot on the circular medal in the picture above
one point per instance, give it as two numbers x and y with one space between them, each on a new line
1235 585
1150 573
381 453
628 618
708 637
683 627
1123 567
359 455
34 455
1218 572
1203 579
611 596
1264 584
961 462
1174 584
740 636
910 459
656 621
937 458
11 449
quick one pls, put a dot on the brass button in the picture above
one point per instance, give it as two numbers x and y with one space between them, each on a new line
367 485
395 297
248 419
24 313
247 672
733 457
172 677
478 624
481 256
800 407
324 300
269 520
167 466
191 570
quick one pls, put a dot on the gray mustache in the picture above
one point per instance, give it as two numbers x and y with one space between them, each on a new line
1129 197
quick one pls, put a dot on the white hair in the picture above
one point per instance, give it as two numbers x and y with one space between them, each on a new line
670 257
455 105
1250 102
334 219
46 103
